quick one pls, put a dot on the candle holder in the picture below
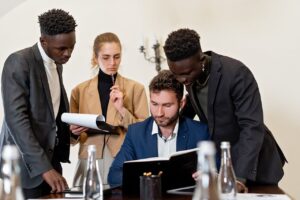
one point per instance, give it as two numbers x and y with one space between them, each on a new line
157 58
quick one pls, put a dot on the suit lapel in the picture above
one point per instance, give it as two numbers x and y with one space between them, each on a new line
63 91
94 103
152 144
182 136
213 85
44 80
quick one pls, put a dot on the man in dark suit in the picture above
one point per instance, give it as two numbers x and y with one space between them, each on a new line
164 132
224 94
34 99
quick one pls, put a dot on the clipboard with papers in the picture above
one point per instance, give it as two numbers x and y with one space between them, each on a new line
95 123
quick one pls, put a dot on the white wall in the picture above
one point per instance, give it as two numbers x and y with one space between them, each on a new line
262 34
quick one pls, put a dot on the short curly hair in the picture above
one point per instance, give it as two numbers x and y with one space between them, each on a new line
56 21
165 80
182 44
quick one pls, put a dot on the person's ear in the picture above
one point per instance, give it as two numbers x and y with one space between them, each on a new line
182 103
95 59
43 41
202 57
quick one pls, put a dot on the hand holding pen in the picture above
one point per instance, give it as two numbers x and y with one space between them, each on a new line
116 96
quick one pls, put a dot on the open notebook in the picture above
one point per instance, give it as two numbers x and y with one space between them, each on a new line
176 170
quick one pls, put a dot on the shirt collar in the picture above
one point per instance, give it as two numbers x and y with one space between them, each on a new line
47 60
155 128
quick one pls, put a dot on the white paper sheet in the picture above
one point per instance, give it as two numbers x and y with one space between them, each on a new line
86 120
256 196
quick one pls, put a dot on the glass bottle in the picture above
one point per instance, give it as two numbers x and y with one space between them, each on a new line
11 188
226 179
92 186
207 188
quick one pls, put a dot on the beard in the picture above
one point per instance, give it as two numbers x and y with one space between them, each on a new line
166 121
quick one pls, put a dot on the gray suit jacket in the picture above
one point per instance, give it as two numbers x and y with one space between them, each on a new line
29 120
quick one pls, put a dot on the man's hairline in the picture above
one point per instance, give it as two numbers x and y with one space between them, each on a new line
158 91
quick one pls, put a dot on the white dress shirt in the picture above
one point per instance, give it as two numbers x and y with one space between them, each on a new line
53 79
166 146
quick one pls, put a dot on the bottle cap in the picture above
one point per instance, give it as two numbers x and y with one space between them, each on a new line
207 147
10 152
92 148
225 145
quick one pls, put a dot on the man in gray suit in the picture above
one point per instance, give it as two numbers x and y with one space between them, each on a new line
34 99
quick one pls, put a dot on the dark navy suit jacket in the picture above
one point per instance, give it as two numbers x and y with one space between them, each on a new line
140 143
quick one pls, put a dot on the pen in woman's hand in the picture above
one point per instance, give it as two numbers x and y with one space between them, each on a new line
113 79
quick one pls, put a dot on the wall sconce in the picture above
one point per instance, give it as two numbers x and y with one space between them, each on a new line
157 58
